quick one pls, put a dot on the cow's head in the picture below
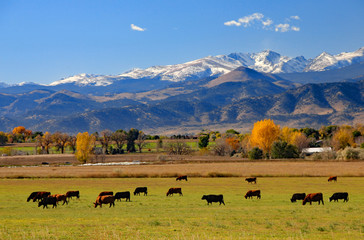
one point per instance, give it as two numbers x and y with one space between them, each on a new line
293 200
40 203
204 197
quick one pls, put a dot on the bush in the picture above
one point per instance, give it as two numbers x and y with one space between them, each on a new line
255 153
283 150
350 153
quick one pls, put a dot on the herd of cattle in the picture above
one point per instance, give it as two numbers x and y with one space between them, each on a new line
45 198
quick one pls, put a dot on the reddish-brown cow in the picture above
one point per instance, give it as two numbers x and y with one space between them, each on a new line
105 200
252 193
106 193
60 197
313 197
41 195
171 191
332 178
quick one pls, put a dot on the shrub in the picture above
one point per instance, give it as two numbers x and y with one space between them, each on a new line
283 150
350 153
255 153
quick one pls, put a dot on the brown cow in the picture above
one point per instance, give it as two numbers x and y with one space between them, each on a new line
171 191
313 197
251 180
41 195
106 193
332 178
184 177
105 200
71 194
252 193
60 197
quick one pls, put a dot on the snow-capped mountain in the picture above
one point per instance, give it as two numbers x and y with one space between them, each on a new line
215 66
326 61
266 61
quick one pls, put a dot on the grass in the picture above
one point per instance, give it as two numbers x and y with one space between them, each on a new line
188 217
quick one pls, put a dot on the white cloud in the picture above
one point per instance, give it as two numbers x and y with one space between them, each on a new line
250 18
232 23
282 27
262 22
296 29
267 23
136 28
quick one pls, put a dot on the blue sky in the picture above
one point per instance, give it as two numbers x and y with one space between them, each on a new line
44 41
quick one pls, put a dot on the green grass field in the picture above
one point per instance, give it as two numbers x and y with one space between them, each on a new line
188 217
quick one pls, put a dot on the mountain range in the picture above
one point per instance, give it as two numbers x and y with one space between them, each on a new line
218 92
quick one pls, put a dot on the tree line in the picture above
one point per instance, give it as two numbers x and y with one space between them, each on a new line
265 140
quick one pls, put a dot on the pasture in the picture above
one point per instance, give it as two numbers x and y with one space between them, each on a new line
183 217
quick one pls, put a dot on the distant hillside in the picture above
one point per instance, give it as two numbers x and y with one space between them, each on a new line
310 105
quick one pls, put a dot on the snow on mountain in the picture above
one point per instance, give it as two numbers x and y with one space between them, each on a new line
326 61
204 67
265 61
84 79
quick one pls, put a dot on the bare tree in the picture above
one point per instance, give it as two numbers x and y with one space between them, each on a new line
72 142
221 147
177 148
105 139
119 137
60 140
140 141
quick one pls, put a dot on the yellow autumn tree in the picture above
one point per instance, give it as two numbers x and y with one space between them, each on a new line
264 134
84 146
343 138
287 134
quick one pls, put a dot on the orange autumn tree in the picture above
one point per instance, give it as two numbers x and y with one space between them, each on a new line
264 134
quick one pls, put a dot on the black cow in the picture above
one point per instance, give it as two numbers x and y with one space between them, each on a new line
32 195
120 195
213 198
139 190
298 196
71 194
184 177
251 180
339 195
48 201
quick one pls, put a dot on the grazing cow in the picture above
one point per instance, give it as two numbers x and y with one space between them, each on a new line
32 195
213 198
313 197
184 177
298 196
48 201
120 195
71 194
339 195
106 193
105 200
252 193
41 195
60 197
171 191
251 180
139 190
332 178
